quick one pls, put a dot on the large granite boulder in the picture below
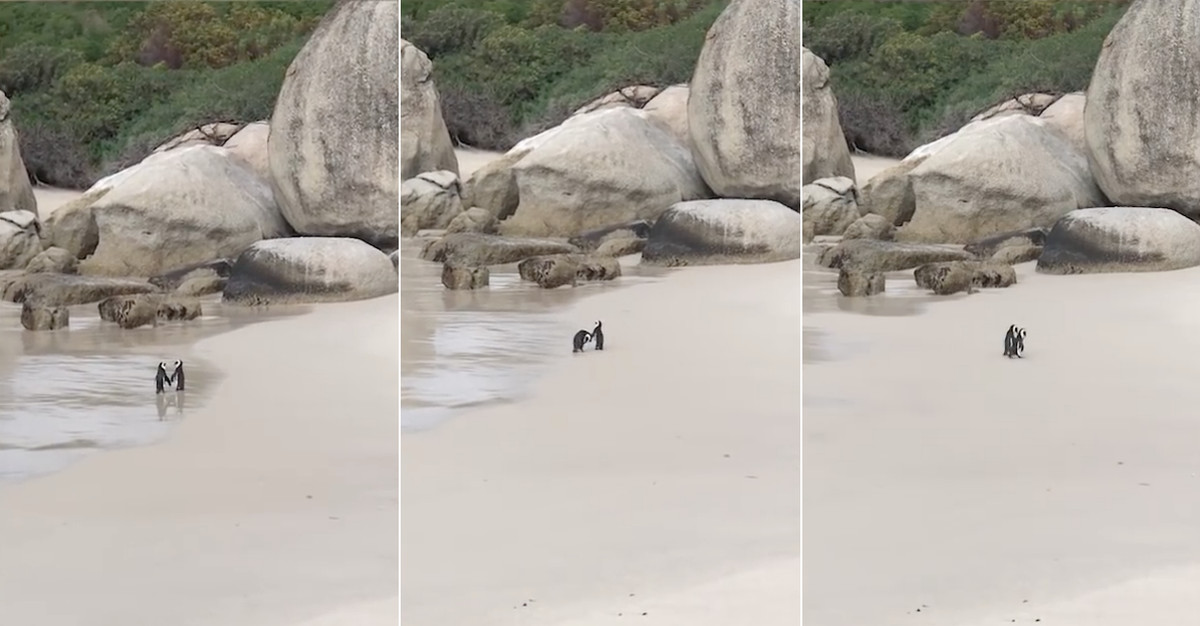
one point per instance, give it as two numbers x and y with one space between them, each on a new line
826 153
478 249
1001 174
332 147
173 209
1142 119
425 142
608 166
309 269
714 232
1120 239
743 109
16 194
431 200
19 239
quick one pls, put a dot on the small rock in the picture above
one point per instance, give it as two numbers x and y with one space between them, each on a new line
478 249
464 277
567 269
1012 255
954 276
53 261
857 283
473 220
870 226
830 204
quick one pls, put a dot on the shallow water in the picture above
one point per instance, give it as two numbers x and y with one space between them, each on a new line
461 349
69 393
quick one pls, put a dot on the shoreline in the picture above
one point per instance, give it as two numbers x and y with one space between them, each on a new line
277 478
933 486
678 446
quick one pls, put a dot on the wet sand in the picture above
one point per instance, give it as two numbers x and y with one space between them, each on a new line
659 476
274 503
67 394
941 476
463 349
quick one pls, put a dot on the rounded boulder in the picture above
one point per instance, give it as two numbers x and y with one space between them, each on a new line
310 269
1120 239
714 232
333 147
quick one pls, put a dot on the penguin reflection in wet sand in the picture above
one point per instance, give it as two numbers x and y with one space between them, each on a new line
598 337
581 339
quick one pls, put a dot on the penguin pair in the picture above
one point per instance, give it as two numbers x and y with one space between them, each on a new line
1014 342
162 378
583 337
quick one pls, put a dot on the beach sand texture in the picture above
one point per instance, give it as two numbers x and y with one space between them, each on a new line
941 476
275 503
660 476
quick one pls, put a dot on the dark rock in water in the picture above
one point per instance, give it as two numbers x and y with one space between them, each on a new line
568 269
67 289
40 316
888 256
1120 239
309 269
590 240
711 232
620 247
170 281
53 261
464 277
953 276
989 246
478 249
147 309
856 283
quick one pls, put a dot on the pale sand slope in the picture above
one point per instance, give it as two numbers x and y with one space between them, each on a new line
866 166
215 525
661 475
471 159
939 473
50 199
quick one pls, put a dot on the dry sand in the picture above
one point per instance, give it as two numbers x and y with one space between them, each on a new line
276 503
471 159
1065 486
866 166
660 476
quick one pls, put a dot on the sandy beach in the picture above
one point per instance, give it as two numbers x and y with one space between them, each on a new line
272 501
660 476
946 484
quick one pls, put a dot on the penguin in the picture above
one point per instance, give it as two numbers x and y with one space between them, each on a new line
581 338
598 337
1010 341
161 377
177 377
1019 343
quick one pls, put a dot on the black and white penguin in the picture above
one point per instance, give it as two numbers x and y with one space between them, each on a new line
1019 343
161 378
581 338
598 336
177 377
1010 339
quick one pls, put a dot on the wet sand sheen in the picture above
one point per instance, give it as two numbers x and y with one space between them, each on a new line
462 349
67 394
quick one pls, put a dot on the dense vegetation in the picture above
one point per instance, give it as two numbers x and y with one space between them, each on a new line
97 85
508 68
907 72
